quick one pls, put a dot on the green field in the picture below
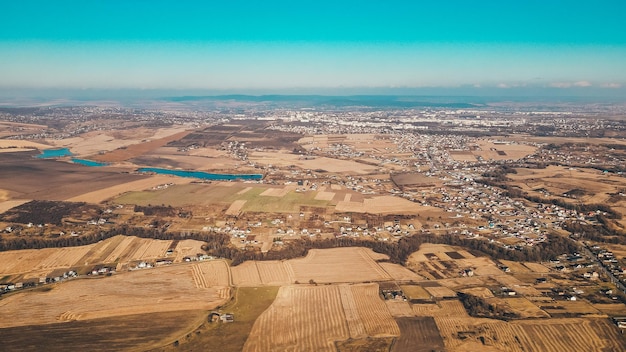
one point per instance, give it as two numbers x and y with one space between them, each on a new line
248 304
181 195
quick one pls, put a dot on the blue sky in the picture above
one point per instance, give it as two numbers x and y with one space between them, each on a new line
282 45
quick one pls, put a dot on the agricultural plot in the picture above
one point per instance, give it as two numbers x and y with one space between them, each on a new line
381 205
337 265
300 319
29 260
117 250
400 273
530 335
123 333
418 334
570 184
311 318
283 159
399 308
136 292
264 273
521 306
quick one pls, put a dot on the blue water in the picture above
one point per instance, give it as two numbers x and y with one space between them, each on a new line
88 162
201 175
54 153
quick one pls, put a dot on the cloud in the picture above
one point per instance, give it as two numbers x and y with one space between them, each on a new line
612 85
570 84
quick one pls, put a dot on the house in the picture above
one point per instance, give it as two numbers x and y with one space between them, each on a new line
227 318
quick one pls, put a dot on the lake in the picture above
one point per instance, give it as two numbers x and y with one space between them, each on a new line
54 153
201 174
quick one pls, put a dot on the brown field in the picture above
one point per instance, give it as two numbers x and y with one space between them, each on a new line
93 142
414 292
418 334
440 292
439 250
9 204
521 306
301 318
235 207
381 205
20 145
560 308
135 150
286 159
481 292
611 309
139 185
558 180
515 267
270 273
312 318
338 265
144 291
445 308
246 274
25 177
211 273
399 308
120 333
489 150
335 265
471 334
538 268
400 273
118 250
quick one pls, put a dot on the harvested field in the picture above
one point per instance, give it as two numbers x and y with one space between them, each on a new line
569 308
414 292
143 291
446 308
373 312
29 260
235 207
246 274
399 308
471 334
134 186
381 205
311 318
611 309
500 151
440 292
537 268
211 273
481 292
283 159
126 333
304 318
571 335
521 306
135 150
25 177
115 250
592 185
337 265
418 334
334 265
400 273
274 273
515 267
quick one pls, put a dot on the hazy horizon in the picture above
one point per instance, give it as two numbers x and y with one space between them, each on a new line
482 48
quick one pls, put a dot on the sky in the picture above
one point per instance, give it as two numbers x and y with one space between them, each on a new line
313 46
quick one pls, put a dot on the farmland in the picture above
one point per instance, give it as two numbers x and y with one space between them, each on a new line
321 315
325 252
145 291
